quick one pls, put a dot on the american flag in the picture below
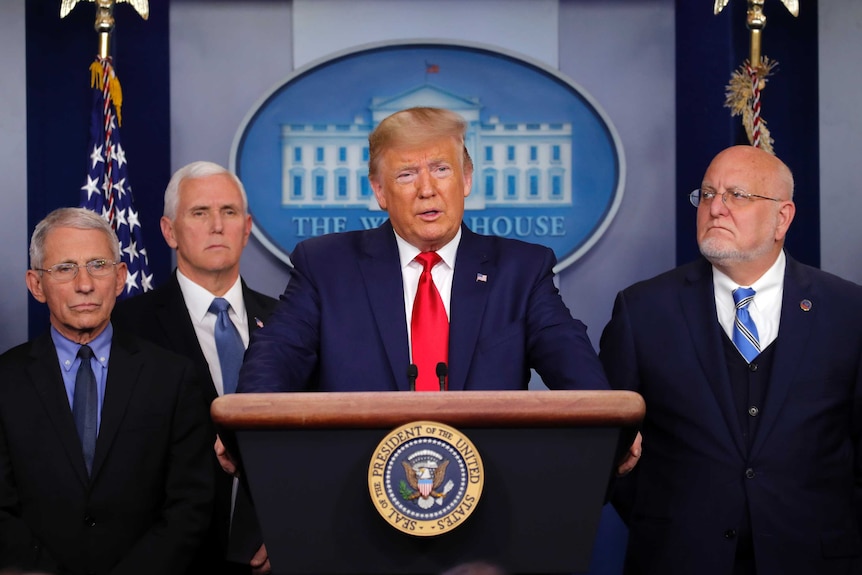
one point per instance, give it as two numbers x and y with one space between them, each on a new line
107 190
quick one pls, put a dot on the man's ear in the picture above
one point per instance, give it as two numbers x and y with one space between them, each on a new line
168 231
34 284
378 192
786 213
122 272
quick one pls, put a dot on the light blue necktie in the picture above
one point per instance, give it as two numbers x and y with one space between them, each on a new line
85 406
228 344
745 336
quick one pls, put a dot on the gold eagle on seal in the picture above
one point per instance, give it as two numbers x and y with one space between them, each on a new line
425 482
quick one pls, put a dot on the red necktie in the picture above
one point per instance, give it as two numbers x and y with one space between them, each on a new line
429 327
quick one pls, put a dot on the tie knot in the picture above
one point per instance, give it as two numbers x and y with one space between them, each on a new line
85 352
428 260
743 296
219 305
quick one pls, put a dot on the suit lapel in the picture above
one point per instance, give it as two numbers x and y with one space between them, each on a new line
698 305
176 325
467 303
256 313
795 328
124 367
381 274
44 372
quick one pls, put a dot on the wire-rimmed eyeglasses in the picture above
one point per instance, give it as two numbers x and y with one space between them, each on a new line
66 272
731 198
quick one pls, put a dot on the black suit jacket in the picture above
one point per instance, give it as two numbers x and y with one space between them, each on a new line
162 317
801 477
146 507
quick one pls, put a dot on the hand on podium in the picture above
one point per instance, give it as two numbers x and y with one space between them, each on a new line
629 461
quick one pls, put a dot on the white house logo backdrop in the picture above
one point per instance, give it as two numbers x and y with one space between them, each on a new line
548 165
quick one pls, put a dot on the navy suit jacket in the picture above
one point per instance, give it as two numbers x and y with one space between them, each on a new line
801 477
162 317
341 325
146 507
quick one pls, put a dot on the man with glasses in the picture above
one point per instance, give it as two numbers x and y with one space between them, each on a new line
751 367
104 444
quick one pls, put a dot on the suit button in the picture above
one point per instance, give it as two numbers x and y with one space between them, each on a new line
753 411
752 367
89 521
730 534
749 473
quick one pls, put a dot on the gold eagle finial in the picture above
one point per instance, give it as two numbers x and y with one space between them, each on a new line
792 6
141 6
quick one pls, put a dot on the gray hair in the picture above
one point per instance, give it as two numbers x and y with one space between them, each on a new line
76 218
193 171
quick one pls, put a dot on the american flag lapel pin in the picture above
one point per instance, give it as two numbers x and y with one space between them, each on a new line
257 322
482 278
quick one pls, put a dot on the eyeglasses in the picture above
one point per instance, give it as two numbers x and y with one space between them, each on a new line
66 272
731 198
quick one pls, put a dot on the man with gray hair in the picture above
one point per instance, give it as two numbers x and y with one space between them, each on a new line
104 443
207 313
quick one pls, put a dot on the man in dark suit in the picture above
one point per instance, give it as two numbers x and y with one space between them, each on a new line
751 367
347 320
206 220
104 444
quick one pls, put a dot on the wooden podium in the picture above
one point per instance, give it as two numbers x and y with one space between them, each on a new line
548 458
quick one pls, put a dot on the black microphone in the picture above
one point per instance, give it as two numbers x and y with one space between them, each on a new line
412 374
442 371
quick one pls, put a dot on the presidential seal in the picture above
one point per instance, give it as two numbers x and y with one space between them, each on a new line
425 478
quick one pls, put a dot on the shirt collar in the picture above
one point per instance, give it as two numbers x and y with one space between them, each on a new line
772 279
407 251
67 350
198 299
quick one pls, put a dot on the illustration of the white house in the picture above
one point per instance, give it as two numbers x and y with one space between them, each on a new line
516 165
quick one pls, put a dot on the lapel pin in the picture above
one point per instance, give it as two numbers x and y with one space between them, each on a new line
805 305
258 322
481 278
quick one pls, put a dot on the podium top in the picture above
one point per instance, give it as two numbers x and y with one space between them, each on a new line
365 409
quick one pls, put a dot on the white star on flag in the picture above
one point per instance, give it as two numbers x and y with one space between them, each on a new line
132 250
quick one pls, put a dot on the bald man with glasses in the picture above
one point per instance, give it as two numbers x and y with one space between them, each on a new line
751 367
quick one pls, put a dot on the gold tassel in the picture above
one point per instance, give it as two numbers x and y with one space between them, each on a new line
115 91
116 97
739 97
96 72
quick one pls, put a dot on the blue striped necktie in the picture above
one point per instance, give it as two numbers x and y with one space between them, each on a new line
744 331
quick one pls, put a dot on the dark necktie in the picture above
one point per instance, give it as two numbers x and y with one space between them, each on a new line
85 406
745 336
429 326
228 344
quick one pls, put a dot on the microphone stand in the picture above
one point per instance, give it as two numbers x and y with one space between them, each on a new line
412 374
442 372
